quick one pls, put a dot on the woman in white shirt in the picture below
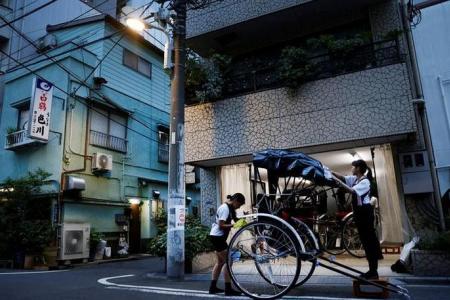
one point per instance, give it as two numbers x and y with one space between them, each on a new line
359 185
218 235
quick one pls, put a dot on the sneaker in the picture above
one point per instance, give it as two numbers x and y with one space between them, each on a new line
215 290
232 292
370 275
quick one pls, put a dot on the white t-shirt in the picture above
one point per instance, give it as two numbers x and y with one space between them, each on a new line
223 212
361 188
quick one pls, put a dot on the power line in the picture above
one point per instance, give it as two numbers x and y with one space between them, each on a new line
92 8
29 13
83 82
23 64
82 103
22 7
147 4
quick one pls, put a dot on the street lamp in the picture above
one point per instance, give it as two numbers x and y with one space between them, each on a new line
176 189
140 25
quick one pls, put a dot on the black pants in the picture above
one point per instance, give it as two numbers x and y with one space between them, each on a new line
364 219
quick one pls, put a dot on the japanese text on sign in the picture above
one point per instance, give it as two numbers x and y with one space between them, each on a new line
41 105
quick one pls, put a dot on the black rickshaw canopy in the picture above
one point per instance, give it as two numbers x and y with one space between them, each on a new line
285 163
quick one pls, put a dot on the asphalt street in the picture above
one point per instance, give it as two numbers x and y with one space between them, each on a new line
137 280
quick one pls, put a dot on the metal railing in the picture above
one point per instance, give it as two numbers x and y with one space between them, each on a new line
248 77
108 141
16 138
163 152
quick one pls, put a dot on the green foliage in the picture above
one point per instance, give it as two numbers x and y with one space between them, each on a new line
294 67
196 237
393 34
294 63
24 217
206 77
95 237
10 130
432 240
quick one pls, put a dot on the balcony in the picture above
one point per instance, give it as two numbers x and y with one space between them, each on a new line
18 140
260 71
107 141
234 27
163 153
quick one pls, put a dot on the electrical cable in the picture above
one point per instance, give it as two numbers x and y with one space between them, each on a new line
64 68
33 54
29 13
83 103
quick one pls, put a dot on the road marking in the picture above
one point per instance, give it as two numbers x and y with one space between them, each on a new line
191 293
33 272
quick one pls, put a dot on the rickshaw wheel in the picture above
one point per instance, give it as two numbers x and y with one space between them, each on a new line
263 260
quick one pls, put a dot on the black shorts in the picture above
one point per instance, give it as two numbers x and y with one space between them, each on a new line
219 242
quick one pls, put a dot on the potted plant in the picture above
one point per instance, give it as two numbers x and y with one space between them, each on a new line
196 239
206 77
94 240
9 137
25 218
432 256
294 67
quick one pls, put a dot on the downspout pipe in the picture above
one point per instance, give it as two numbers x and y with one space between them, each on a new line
421 108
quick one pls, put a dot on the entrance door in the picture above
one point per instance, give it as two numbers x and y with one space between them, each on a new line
135 229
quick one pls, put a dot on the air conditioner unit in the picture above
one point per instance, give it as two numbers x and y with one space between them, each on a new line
101 162
75 241
46 43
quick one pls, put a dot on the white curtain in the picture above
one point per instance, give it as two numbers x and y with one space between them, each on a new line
388 195
236 179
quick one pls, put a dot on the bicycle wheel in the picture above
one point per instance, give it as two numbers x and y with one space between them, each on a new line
307 236
352 242
330 235
263 260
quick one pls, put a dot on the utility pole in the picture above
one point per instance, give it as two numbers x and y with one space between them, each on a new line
176 189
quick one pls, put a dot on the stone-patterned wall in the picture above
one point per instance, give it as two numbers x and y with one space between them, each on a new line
384 17
229 12
208 195
361 105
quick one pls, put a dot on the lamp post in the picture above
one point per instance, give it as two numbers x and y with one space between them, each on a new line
176 188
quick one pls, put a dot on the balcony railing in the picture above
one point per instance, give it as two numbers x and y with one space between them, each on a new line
249 77
19 139
163 153
108 141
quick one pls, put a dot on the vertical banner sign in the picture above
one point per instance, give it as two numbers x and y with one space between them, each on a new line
180 217
41 106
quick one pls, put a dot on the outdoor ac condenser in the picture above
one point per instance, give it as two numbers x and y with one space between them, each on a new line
75 241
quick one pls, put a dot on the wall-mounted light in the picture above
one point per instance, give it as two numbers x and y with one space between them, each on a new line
188 200
156 194
134 201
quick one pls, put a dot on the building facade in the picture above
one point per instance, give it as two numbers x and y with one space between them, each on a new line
355 104
432 44
107 149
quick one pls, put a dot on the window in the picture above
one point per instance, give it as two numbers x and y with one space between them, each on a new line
137 63
163 146
24 114
108 130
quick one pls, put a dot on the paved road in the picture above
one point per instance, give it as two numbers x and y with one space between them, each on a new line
91 282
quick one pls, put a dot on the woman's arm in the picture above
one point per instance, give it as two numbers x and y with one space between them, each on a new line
339 176
340 181
224 226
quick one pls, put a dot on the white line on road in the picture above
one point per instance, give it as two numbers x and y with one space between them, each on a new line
190 293
33 272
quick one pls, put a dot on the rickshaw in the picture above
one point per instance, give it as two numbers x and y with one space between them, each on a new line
275 252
